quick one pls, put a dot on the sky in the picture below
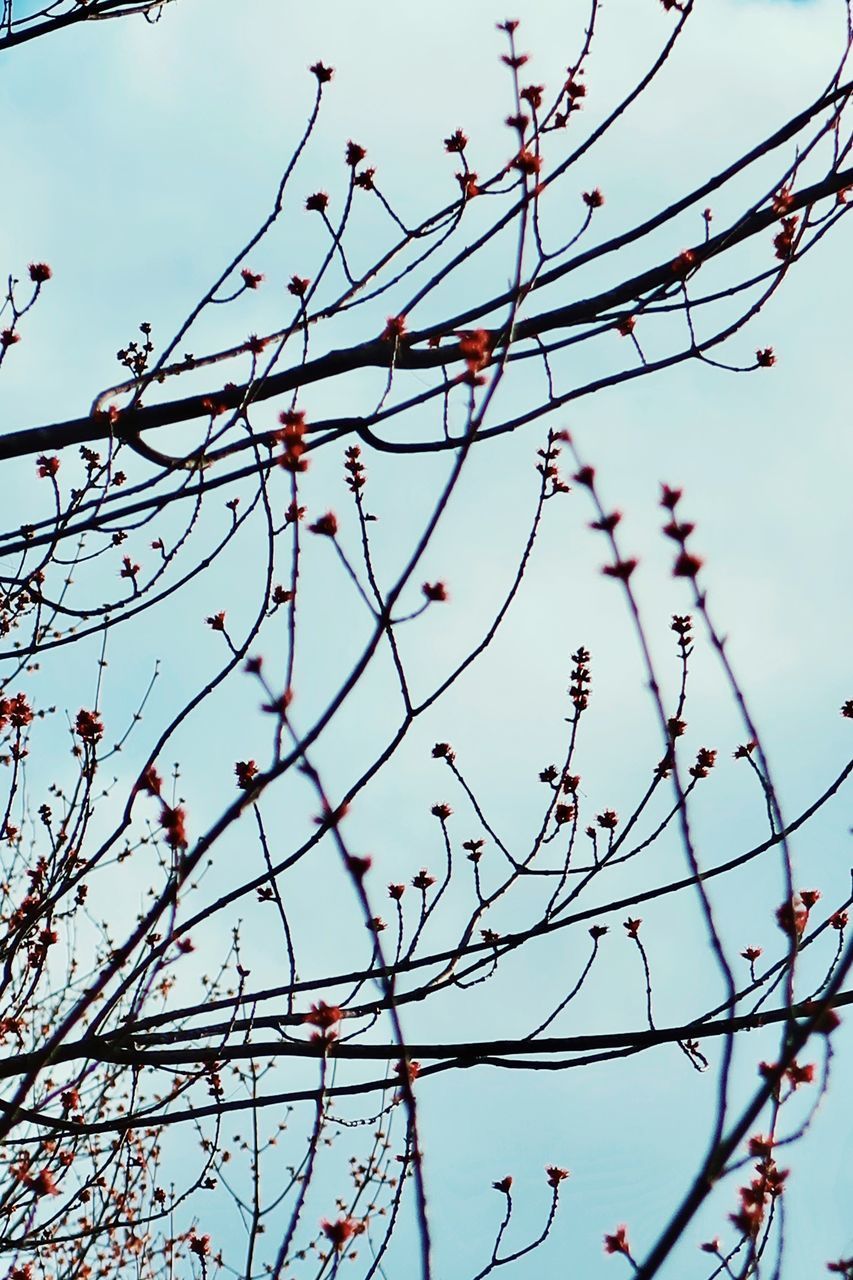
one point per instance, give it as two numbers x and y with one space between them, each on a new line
136 159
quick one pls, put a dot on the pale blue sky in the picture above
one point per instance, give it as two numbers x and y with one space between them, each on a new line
136 159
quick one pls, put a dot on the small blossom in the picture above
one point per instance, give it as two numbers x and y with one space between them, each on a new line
618 1242
322 72
503 1184
318 202
622 569
326 525
89 726
358 866
442 811
200 1246
246 771
47 466
435 592
686 566
173 821
323 1015
395 327
298 286
632 927
354 154
765 358
555 1175
593 199
527 162
251 279
457 142
683 264
39 272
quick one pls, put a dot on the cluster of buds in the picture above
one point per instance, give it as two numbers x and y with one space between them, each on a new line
325 1017
15 711
135 356
356 477
475 347
686 565
547 468
783 241
341 1231
172 818
474 849
705 760
579 690
762 1190
686 262
292 437
793 916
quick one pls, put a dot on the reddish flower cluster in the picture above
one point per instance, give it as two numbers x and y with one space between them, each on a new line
686 565
15 711
89 726
395 328
355 153
793 916
318 202
765 358
555 1175
322 1015
39 272
593 199
356 477
527 161
292 436
457 142
441 811
435 592
794 1073
705 760
761 1192
322 72
173 822
47 467
251 279
468 182
341 1230
475 347
783 241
